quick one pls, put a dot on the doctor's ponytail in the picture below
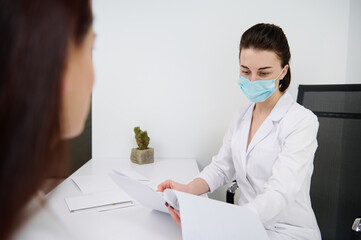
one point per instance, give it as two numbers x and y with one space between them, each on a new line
265 36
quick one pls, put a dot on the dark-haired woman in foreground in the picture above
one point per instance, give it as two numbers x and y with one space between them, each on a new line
270 144
46 78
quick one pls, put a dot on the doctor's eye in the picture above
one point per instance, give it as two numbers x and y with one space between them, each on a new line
264 74
246 72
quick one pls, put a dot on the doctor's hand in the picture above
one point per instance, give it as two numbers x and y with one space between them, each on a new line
197 187
172 185
176 186
174 213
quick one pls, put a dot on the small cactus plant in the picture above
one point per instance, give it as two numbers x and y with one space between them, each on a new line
141 138
142 154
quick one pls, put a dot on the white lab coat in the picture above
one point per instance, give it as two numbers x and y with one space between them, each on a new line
274 174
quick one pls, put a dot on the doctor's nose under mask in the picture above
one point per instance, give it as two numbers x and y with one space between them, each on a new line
257 91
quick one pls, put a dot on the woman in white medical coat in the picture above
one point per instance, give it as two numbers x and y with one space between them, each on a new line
270 144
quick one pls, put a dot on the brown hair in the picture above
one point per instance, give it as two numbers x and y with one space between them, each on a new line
35 37
265 36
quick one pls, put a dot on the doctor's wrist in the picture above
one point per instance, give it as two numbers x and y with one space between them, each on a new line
198 186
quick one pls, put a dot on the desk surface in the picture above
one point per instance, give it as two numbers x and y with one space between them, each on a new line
135 222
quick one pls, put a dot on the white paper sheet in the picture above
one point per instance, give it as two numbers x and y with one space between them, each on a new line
209 219
202 218
142 193
94 183
97 200
133 175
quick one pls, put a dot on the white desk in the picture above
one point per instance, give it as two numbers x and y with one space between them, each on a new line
135 222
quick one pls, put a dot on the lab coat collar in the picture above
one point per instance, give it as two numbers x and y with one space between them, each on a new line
278 111
281 107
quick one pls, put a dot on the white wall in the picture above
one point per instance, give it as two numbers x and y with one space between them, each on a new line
354 43
171 67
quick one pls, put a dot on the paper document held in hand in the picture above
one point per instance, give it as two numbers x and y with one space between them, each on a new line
201 218
142 193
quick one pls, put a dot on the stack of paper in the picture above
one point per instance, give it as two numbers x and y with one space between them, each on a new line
113 198
101 193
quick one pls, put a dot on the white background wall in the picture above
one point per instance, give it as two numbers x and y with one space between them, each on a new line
171 67
354 43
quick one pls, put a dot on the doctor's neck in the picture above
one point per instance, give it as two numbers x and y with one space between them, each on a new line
267 106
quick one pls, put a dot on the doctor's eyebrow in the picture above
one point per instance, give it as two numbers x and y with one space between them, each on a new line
262 68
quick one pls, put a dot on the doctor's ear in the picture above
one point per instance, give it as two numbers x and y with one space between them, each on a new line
284 71
285 78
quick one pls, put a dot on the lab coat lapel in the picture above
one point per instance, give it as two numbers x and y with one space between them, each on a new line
279 110
241 141
261 133
242 179
244 136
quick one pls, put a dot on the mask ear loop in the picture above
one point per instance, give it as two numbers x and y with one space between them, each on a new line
280 73
280 82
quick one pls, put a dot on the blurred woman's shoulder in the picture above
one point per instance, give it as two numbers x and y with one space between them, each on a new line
40 222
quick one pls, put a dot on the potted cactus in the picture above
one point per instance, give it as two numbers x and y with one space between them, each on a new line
142 154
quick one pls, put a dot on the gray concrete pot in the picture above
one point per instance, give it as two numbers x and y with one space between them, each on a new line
142 156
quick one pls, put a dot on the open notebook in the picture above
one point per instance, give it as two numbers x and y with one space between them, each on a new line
201 218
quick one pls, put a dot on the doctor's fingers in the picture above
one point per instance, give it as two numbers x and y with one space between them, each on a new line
164 185
175 215
169 184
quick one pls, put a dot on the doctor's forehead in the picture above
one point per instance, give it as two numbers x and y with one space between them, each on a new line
255 58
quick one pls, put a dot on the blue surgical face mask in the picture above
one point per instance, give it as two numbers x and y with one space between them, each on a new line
257 91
